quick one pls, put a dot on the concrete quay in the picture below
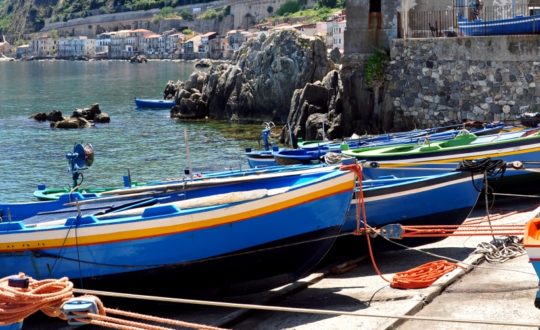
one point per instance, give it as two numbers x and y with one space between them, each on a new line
486 296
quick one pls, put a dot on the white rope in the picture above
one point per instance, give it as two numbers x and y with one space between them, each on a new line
501 250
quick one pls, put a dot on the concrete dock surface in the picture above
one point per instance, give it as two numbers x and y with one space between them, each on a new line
486 296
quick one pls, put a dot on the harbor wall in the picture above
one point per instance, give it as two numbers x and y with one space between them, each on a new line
435 80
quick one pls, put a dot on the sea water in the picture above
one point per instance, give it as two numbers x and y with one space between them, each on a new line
146 142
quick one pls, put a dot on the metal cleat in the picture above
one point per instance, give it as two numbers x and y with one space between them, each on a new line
74 306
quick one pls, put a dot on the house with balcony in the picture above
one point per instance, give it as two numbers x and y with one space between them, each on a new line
152 45
44 47
325 31
76 47
127 43
233 40
174 45
103 42
191 48
338 34
204 46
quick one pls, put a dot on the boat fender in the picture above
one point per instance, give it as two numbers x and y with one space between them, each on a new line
73 308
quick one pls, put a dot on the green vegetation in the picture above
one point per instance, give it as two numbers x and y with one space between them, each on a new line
20 17
316 14
185 14
217 13
166 12
374 68
321 12
289 7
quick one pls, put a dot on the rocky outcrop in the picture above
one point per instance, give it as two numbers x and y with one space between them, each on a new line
316 110
138 59
80 118
260 85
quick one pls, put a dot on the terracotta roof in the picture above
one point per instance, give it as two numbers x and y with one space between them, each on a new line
208 34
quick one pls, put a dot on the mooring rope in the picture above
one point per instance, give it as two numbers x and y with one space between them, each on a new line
301 310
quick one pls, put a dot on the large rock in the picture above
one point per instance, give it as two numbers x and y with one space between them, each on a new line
80 118
260 85
316 110
72 122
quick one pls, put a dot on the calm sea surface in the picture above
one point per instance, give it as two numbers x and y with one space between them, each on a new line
147 142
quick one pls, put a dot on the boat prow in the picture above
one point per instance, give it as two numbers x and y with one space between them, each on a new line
531 241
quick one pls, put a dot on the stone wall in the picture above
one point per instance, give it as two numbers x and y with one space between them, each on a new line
432 81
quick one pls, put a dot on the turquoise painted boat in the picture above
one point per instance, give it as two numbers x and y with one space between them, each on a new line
256 235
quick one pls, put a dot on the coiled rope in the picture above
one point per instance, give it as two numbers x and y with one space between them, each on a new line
501 250
17 303
492 167
423 275
22 296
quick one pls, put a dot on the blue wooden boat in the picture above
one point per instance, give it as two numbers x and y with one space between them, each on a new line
516 25
531 242
154 103
260 158
112 199
238 241
299 156
439 199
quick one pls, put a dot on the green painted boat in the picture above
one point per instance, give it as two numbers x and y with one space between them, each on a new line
522 146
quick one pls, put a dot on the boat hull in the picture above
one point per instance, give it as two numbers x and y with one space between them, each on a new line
445 199
517 25
260 159
155 103
238 244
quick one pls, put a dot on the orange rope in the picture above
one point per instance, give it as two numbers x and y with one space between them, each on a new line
362 204
418 277
423 275
46 295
